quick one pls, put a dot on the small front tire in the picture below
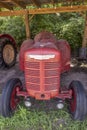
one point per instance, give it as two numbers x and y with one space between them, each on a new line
78 102
9 99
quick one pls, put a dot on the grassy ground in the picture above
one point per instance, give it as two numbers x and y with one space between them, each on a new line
43 115
41 118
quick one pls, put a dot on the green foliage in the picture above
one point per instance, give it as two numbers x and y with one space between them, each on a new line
13 26
38 119
67 26
72 31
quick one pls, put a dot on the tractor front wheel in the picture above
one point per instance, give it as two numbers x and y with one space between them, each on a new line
77 106
9 99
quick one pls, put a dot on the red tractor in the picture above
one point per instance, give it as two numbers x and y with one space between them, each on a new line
43 60
7 51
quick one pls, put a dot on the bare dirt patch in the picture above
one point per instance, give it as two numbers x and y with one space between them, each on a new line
78 71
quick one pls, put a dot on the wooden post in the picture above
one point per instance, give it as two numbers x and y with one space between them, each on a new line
84 42
27 25
83 50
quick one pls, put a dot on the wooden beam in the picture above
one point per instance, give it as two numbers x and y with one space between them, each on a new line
4 5
36 3
18 3
45 10
84 42
27 25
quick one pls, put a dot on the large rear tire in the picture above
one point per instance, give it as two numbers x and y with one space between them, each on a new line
9 98
78 103
8 53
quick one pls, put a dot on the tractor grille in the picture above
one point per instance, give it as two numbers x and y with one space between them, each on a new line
32 73
42 74
51 76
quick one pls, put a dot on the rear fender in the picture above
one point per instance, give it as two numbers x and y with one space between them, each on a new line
9 37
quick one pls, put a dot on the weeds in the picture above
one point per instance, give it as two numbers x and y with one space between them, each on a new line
39 119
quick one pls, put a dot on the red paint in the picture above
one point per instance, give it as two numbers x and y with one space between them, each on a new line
61 45
42 77
63 94
64 48
9 37
73 101
24 47
14 99
42 82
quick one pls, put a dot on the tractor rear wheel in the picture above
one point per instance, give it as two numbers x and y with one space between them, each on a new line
78 103
9 98
8 53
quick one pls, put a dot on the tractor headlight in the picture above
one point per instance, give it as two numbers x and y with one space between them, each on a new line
27 102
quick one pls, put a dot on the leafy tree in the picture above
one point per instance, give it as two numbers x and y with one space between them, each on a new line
67 26
14 26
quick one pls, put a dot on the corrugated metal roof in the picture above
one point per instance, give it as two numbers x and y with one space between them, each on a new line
10 4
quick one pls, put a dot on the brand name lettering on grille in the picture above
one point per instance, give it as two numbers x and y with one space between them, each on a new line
41 57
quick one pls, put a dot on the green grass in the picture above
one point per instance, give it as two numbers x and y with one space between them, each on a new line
41 119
